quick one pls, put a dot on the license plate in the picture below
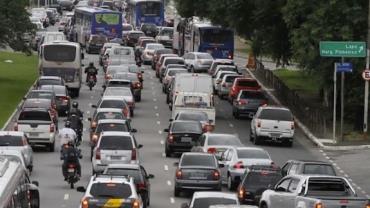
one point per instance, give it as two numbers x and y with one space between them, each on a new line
71 170
197 176
116 157
34 134
186 139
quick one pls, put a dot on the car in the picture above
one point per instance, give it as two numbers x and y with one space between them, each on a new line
66 5
229 68
149 29
38 125
208 198
148 52
140 175
62 24
42 94
169 75
197 171
244 83
95 43
14 140
109 189
160 62
105 125
126 28
182 135
42 103
18 156
103 50
217 143
247 102
82 4
143 41
105 113
49 80
115 147
198 61
132 37
257 179
170 66
217 62
225 85
120 55
274 124
124 92
237 159
157 54
114 102
202 117
307 167
167 61
62 97
165 36
128 80
218 79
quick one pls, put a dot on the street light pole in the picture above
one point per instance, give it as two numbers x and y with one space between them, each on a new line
366 97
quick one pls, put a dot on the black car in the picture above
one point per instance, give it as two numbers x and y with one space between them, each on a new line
149 29
132 38
305 167
182 136
197 171
256 180
95 43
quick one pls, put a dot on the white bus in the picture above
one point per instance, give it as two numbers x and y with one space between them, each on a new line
63 59
16 190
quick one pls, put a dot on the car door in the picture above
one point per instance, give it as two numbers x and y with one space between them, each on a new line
229 161
285 168
289 197
277 198
146 179
224 169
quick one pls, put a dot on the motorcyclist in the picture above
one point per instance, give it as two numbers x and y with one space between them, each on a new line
75 111
75 117
67 134
138 53
91 70
70 155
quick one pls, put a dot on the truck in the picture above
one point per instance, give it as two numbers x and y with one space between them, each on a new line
192 82
312 191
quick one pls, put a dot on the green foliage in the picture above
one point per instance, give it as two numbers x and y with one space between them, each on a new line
14 22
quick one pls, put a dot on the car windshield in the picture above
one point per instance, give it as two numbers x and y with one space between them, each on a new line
247 83
193 117
252 95
224 140
109 115
110 190
49 82
112 104
45 95
116 143
111 127
262 179
204 56
321 169
207 202
135 173
176 71
9 140
252 153
276 115
34 115
186 127
154 46
174 61
198 160
120 91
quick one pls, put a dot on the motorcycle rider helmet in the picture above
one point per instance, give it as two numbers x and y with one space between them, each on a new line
75 104
67 124
70 143
91 64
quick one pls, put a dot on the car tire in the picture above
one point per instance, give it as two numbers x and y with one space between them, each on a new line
289 143
230 183
263 205
176 192
52 147
167 99
168 152
138 98
256 140
192 69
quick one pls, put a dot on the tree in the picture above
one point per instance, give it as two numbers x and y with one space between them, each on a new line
14 22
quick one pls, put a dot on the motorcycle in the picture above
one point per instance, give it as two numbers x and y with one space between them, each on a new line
91 82
72 176
76 126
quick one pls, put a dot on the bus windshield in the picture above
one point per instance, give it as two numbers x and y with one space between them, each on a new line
107 19
216 35
150 8
60 53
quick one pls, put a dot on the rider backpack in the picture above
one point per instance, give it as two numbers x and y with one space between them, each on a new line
71 155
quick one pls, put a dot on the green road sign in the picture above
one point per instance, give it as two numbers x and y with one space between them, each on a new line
342 49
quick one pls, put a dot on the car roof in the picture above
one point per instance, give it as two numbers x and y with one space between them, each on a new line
11 152
11 133
109 179
115 133
104 121
42 90
212 194
196 153
52 86
274 107
174 57
185 121
310 161
248 148
109 97
131 166
107 110
50 77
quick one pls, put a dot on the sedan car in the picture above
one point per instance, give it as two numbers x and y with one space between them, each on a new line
226 83
245 83
217 143
16 155
114 102
61 94
158 53
132 82
247 102
43 94
210 198
124 92
197 171
14 140
202 117
105 113
237 159
49 80
132 37
182 135
140 175
95 43
148 51
198 61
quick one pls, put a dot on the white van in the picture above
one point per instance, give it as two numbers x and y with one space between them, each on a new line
49 37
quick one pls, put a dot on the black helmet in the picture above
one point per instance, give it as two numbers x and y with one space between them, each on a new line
91 64
75 104
67 124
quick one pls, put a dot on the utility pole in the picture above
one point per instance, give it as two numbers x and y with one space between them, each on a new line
366 97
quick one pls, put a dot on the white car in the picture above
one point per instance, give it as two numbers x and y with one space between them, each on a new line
275 124
237 159
14 140
218 79
148 51
208 198
115 147
15 155
226 83
198 61
123 92
169 75
120 189
217 143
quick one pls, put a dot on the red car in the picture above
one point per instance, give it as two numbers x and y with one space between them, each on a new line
242 84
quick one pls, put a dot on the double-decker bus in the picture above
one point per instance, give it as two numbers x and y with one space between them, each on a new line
197 36
145 11
97 21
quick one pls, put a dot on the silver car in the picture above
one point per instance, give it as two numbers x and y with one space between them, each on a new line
14 140
209 198
198 61
15 155
237 159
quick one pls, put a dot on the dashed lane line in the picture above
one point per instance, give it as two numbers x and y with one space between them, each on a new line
66 197
166 167
169 183
155 107
160 132
172 200
157 114
162 142
159 122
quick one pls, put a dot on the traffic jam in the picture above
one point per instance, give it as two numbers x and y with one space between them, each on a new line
118 56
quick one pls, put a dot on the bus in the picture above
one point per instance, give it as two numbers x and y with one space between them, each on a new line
197 36
63 59
16 190
97 21
145 11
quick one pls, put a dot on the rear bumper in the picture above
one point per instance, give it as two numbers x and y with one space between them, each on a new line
179 147
267 136
245 110
42 139
198 184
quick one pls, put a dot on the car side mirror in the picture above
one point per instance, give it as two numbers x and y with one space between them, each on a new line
166 130
184 205
81 189
150 176
133 130
94 106
140 146
280 189
171 119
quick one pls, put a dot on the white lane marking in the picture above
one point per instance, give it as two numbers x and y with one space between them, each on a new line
172 200
169 183
87 112
162 142
155 107
163 154
66 196
160 132
92 96
321 151
335 164
155 99
158 122
157 114
166 167
331 161
350 180
328 158
345 175
231 125
359 188
324 154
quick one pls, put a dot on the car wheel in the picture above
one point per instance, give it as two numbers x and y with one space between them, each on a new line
167 99
176 192
230 183
168 152
52 147
263 205
138 98
289 143
192 69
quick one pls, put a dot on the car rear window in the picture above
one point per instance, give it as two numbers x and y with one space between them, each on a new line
177 71
186 127
109 115
111 127
118 83
321 169
247 83
112 104
49 82
204 56
198 160
276 114
193 117
250 153
231 78
123 91
262 179
173 61
116 143
252 95
110 190
34 116
46 95
224 140
8 140
135 173
209 201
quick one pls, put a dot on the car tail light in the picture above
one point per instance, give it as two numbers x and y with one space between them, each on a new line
141 186
65 99
130 103
85 202
95 138
239 165
218 81
54 106
224 85
137 85
170 138
136 204
52 126
178 174
93 124
319 205
216 175
15 127
108 76
97 154
211 150
292 125
258 124
133 154
71 166
242 102
230 56
241 192
139 75
125 112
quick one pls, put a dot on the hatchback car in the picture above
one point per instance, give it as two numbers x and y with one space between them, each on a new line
307 167
114 102
217 143
41 103
247 102
124 92
105 113
243 84
170 66
160 62
132 37
167 61
218 79
198 61
115 147
197 171
62 97
43 94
